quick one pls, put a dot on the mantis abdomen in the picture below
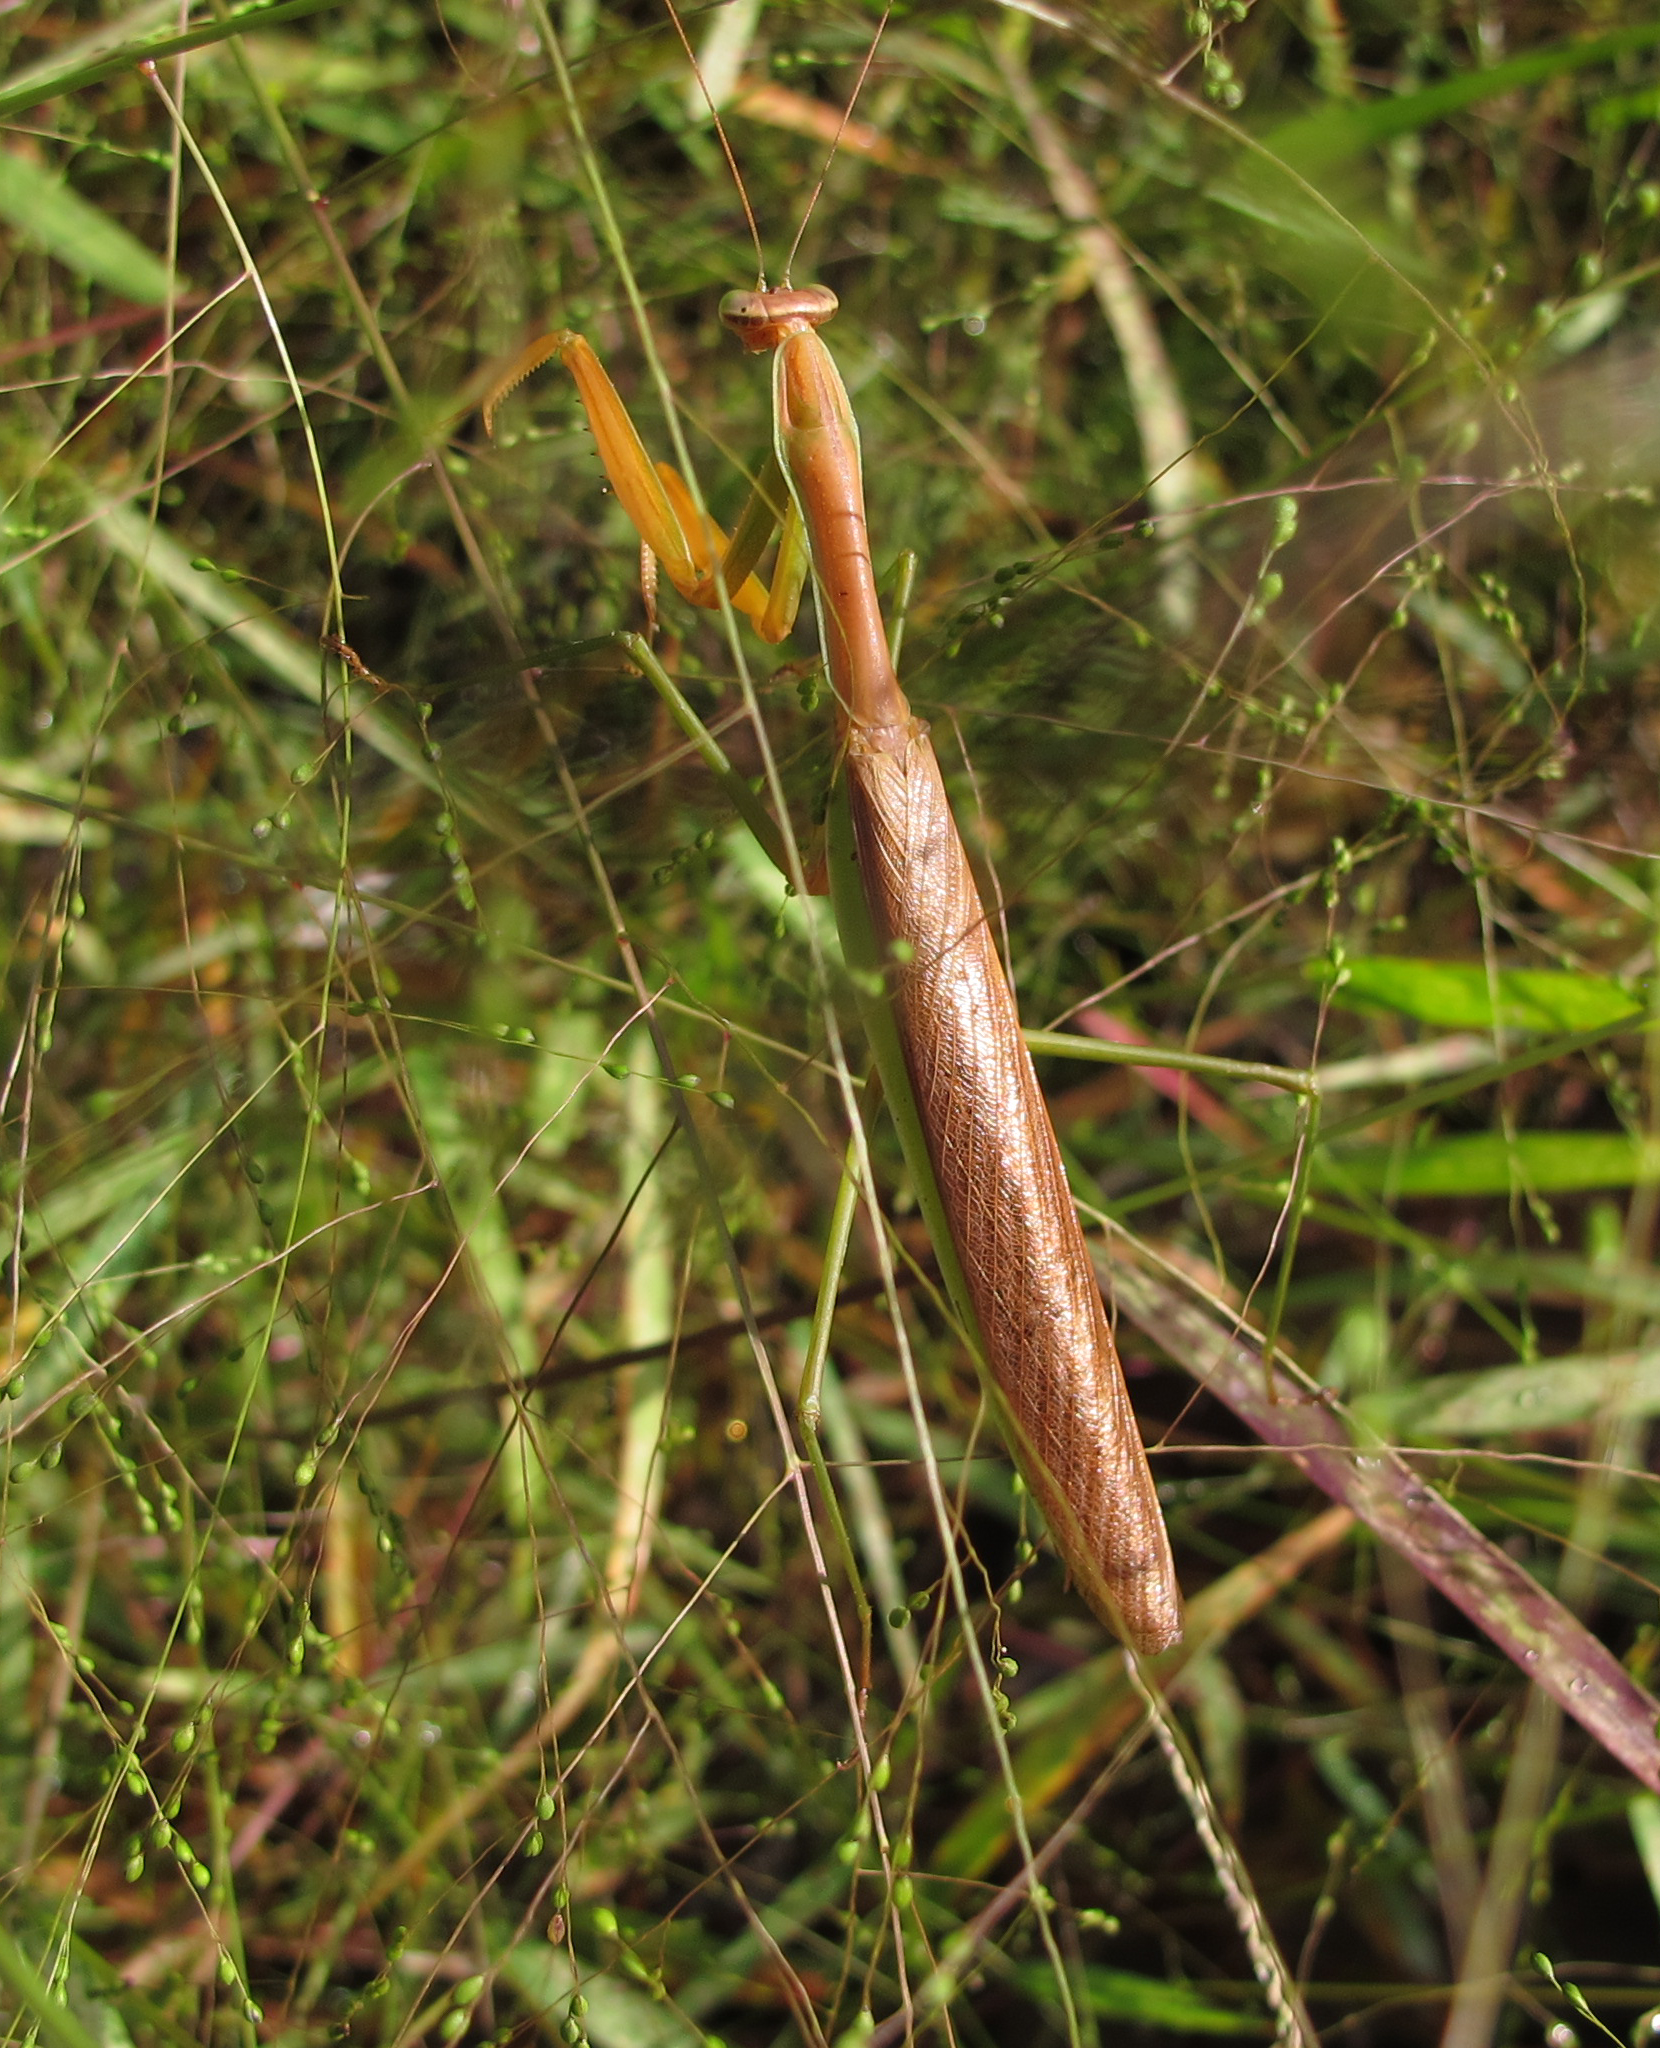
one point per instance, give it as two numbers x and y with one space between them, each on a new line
1001 1182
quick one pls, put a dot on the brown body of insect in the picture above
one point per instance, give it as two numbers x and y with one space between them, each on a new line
1026 1269
1028 1272
1000 1178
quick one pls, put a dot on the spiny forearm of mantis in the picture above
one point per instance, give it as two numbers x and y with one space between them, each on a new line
986 1142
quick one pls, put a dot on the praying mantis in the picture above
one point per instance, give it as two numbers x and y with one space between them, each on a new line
944 1029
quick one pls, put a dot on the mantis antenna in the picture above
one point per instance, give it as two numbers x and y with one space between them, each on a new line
836 140
731 156
725 144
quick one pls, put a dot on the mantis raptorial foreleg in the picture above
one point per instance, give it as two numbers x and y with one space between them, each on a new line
665 515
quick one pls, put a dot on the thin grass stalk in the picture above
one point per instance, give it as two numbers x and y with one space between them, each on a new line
816 1374
1484 1975
648 1310
1436 1752
1176 477
872 1523
1292 2026
1049 1762
49 1730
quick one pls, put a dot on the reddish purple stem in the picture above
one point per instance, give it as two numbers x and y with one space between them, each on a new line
1530 1625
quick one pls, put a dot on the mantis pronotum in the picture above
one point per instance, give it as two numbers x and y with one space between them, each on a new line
898 867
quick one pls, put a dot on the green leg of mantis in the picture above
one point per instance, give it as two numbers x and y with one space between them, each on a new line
809 1410
744 800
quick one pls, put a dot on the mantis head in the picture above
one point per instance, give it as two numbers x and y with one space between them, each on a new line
761 320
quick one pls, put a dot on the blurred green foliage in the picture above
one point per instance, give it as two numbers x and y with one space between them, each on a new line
414 1620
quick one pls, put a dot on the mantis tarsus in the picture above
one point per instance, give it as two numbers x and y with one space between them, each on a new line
955 1068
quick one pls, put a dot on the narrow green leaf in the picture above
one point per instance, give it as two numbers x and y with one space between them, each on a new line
1151 2001
617 2012
1325 138
47 211
137 1172
1643 1814
1457 995
1552 1394
92 57
53 2022
975 206
1486 1163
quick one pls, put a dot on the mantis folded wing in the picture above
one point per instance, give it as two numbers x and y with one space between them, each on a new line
946 1035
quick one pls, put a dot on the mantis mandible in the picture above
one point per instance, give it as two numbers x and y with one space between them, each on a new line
898 870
